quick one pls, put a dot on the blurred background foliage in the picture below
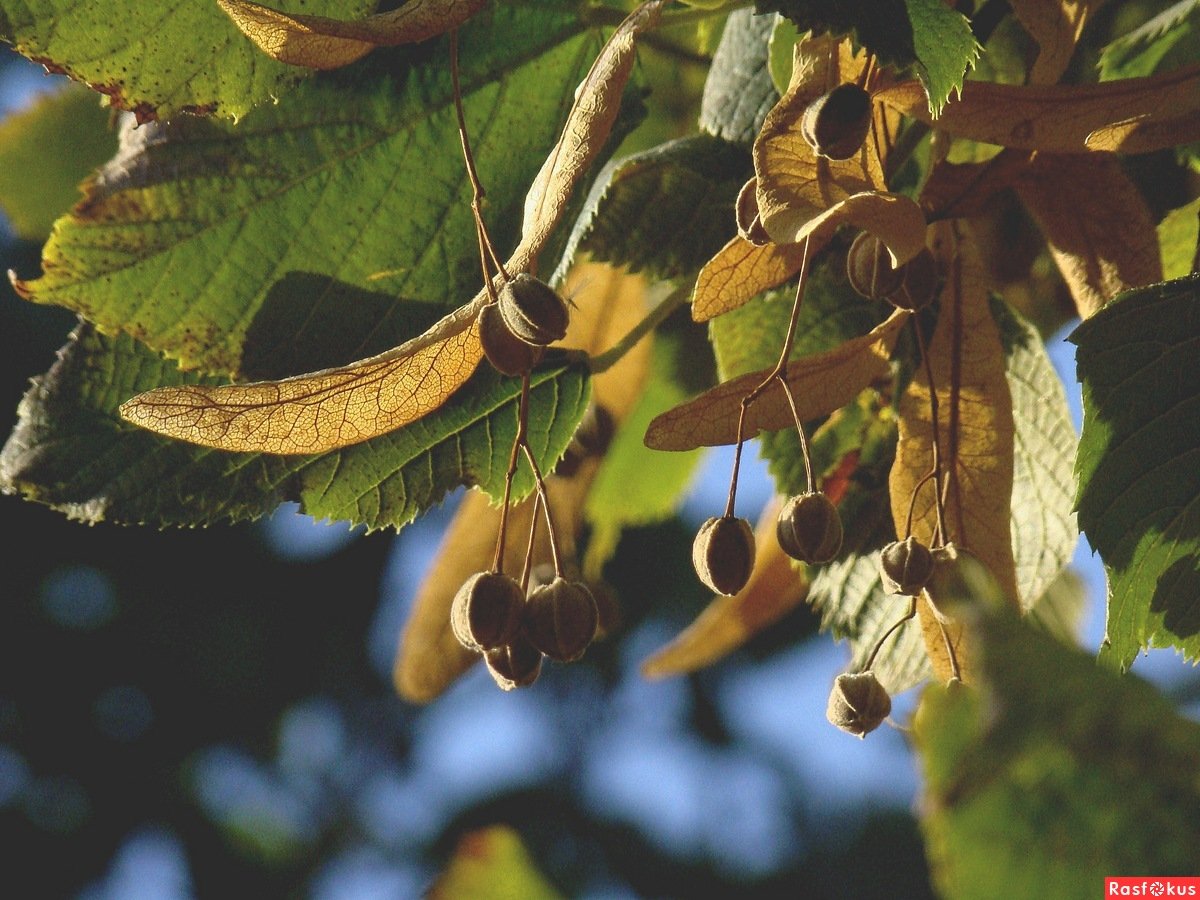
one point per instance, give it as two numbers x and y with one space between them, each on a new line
210 712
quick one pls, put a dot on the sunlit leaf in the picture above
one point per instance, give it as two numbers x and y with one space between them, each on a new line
157 59
794 184
1139 485
775 588
196 228
893 218
45 152
1178 235
1144 114
71 451
1097 224
741 271
322 411
1056 25
1052 773
975 427
820 383
319 42
492 863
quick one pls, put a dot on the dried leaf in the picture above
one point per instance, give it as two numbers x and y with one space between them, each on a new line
1097 223
597 100
1056 26
975 427
893 218
430 658
740 272
319 42
964 190
820 383
794 184
1062 118
324 410
775 588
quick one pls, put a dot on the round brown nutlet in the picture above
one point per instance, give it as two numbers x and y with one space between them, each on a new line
906 566
749 224
508 354
919 284
533 311
560 619
516 664
869 267
809 528
957 584
486 611
858 703
836 123
723 554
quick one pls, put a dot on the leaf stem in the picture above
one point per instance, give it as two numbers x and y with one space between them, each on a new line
651 321
942 533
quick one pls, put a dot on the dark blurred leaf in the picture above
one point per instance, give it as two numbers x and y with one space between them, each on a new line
739 91
1168 40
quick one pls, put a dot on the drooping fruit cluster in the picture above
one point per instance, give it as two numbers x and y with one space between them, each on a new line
858 703
491 615
809 528
906 566
836 123
527 316
911 286
723 554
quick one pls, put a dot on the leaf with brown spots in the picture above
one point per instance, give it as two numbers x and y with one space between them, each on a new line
820 383
1133 115
319 42
975 428
1096 221
776 587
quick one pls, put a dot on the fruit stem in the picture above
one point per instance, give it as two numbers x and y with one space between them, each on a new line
912 611
942 534
955 671
533 524
522 442
485 242
776 374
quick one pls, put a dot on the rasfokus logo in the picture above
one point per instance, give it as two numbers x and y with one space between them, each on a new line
1150 886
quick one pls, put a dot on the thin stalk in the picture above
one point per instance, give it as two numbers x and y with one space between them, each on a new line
943 534
607 15
957 672
533 526
652 320
912 611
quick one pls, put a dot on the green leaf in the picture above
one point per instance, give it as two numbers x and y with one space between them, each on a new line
926 34
667 210
159 58
493 863
357 177
635 485
1044 531
738 92
780 51
1052 773
45 152
72 452
1138 466
1177 239
1166 41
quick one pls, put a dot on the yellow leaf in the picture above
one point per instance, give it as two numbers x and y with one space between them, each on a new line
1056 26
775 588
794 184
964 190
429 658
820 383
319 42
1097 223
975 428
324 410
1062 118
893 218
597 101
739 272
